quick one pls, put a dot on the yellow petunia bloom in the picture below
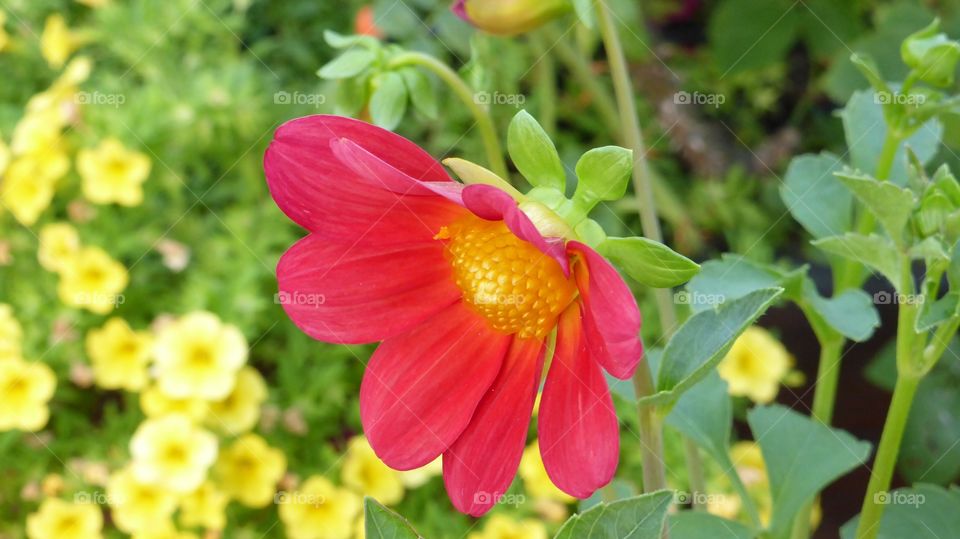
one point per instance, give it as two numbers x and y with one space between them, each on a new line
59 242
136 505
113 174
199 356
57 519
119 355
366 474
172 452
25 390
92 280
204 508
418 477
26 190
155 403
535 479
319 510
755 365
503 527
57 42
11 334
249 470
240 411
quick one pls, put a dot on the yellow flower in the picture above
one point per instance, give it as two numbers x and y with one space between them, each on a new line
755 365
119 355
535 479
503 527
366 474
136 505
240 411
93 281
112 173
57 519
57 42
11 334
319 510
172 452
155 403
199 356
26 190
59 242
418 477
205 508
25 390
248 470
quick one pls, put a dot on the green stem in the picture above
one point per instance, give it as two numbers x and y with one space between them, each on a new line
546 84
651 434
481 115
698 486
828 376
744 494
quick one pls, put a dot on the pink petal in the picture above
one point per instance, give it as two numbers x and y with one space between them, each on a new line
579 434
358 294
479 467
611 316
488 202
421 388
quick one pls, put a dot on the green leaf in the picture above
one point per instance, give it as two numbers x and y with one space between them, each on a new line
931 250
421 91
340 41
743 43
348 64
802 456
701 342
892 205
382 523
933 313
932 55
389 100
602 174
875 252
584 10
641 517
698 524
921 512
821 204
852 313
534 154
649 262
704 414
868 68
352 95
731 277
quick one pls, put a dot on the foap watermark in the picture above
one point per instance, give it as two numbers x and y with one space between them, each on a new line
481 298
298 498
890 98
99 298
497 98
100 99
697 498
298 98
699 98
896 298
95 498
915 499
484 498
299 298
685 297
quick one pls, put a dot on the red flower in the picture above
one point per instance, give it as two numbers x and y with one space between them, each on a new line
464 291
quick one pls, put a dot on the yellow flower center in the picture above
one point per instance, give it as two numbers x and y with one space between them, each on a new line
508 281
67 526
17 388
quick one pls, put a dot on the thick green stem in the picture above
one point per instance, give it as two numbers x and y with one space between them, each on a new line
651 434
828 376
465 93
698 484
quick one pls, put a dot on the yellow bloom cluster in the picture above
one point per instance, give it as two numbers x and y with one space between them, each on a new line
63 520
89 278
26 387
755 365
502 527
113 174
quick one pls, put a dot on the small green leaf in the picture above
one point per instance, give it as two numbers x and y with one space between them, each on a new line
815 198
852 313
602 174
731 277
534 154
921 512
340 41
933 313
699 524
932 55
873 251
649 262
422 94
389 100
348 64
892 205
382 523
704 414
930 250
640 517
802 456
868 68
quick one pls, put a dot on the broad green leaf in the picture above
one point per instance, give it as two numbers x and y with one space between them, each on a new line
731 277
641 517
389 100
852 313
921 512
873 251
700 525
348 64
602 174
930 451
932 313
421 91
704 414
382 523
821 204
700 343
649 262
802 456
584 10
892 205
619 488
534 154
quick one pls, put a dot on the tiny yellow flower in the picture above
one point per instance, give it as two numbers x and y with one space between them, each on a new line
240 411
319 510
57 519
172 452
11 334
366 474
249 470
26 190
111 173
204 508
503 527
59 242
418 477
155 403
136 505
755 365
25 390
535 479
119 355
199 356
92 280
57 42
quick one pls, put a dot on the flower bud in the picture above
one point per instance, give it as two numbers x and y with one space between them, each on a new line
932 55
509 17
